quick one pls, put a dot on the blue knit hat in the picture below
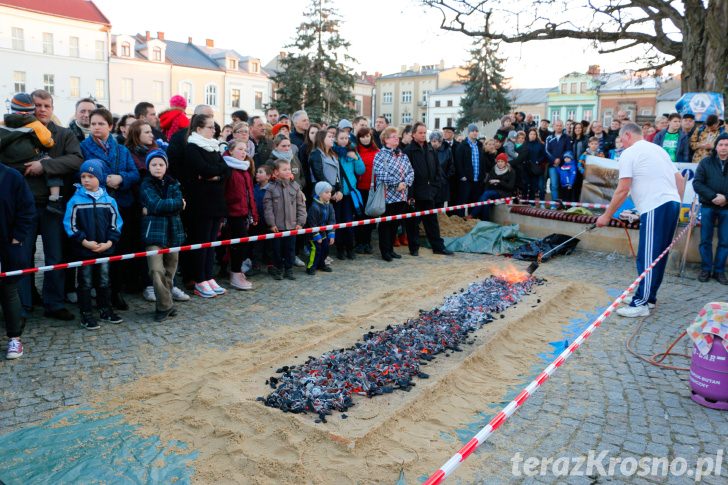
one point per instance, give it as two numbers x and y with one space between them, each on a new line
22 103
96 168
472 127
568 154
158 153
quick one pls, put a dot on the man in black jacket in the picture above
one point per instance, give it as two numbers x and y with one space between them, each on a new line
428 178
470 167
711 185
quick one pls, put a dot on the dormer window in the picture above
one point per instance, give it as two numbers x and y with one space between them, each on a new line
233 64
254 67
125 49
157 54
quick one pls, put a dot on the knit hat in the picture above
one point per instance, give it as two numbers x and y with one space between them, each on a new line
722 136
158 153
22 103
513 134
277 127
282 117
322 186
568 154
472 127
345 124
502 156
178 101
96 168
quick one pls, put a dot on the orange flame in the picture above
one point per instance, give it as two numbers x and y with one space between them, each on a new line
510 273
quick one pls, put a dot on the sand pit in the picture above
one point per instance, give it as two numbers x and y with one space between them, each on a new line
455 226
211 403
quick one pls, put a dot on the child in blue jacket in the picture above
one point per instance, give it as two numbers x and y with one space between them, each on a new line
321 213
567 177
93 224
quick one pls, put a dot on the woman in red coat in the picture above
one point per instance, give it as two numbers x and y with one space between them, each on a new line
367 150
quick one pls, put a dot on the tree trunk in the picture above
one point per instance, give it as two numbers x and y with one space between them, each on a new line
693 47
705 46
716 48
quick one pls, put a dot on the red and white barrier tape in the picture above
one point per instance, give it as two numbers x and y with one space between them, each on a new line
451 465
228 242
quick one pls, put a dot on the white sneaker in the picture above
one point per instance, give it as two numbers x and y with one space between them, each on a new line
179 295
15 349
633 311
72 297
238 281
148 294
329 261
298 263
629 301
219 290
203 290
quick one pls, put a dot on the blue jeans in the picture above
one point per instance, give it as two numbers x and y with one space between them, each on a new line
50 227
482 211
708 218
95 276
554 182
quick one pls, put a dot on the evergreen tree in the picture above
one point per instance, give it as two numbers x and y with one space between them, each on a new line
486 94
315 76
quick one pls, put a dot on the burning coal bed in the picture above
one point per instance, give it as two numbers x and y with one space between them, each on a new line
390 359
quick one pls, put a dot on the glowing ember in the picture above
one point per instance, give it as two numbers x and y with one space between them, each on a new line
510 274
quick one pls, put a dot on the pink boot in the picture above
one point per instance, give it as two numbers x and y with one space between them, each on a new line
237 280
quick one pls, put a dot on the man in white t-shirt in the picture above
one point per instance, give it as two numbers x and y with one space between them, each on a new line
657 187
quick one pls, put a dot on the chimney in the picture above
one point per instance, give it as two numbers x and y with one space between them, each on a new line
416 67
160 35
148 36
209 43
189 40
442 64
594 70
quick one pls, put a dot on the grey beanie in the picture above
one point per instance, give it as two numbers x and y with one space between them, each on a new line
436 135
472 127
322 186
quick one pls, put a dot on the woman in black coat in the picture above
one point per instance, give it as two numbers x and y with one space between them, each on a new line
206 172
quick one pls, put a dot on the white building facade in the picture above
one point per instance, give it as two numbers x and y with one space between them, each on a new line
66 56
443 106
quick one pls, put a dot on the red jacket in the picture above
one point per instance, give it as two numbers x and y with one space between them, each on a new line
239 195
173 120
367 156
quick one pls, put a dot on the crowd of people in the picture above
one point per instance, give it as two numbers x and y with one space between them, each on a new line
114 185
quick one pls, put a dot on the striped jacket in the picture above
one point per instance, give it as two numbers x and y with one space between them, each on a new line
392 167
93 220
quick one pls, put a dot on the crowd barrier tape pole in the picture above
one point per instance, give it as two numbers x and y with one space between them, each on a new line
241 240
451 465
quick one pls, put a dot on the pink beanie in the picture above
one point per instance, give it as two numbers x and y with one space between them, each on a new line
178 101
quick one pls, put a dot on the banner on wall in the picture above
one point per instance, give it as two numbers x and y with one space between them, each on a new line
701 105
602 176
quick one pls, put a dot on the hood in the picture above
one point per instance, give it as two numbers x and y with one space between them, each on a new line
15 120
170 116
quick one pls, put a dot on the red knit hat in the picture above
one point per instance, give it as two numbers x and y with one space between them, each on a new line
178 101
277 127
502 156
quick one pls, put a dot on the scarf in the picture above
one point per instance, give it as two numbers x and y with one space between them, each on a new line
207 144
501 171
96 194
287 156
341 151
86 131
233 162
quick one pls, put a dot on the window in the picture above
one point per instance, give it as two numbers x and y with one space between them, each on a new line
449 103
158 91
537 119
573 88
425 95
157 54
233 64
358 107
583 87
125 49
607 118
255 68
424 117
646 112
47 43
449 122
235 98
437 104
18 39
127 89
185 89
75 91
73 46
588 114
211 95
388 116
571 114
387 97
100 89
555 115
563 88
437 123
19 81
259 100
406 117
100 50
406 96
49 83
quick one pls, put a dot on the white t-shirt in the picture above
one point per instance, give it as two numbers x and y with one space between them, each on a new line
652 173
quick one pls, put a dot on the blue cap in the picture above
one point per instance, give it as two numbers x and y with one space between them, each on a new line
96 168
569 154
157 153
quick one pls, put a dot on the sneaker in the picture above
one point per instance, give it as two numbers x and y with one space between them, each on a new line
298 263
203 290
350 254
329 260
72 297
720 278
238 281
649 305
633 311
179 295
704 276
56 206
110 317
276 273
288 274
160 316
219 290
15 349
88 321
247 265
148 294
311 271
326 269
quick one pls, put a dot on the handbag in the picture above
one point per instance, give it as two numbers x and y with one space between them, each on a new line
356 197
376 203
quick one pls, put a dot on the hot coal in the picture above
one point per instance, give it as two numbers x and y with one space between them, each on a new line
390 359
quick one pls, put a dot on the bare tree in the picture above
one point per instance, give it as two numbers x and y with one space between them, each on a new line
693 32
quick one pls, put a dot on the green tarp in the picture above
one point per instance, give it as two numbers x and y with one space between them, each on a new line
489 238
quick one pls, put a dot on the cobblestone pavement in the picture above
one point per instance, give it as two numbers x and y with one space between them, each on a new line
602 399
